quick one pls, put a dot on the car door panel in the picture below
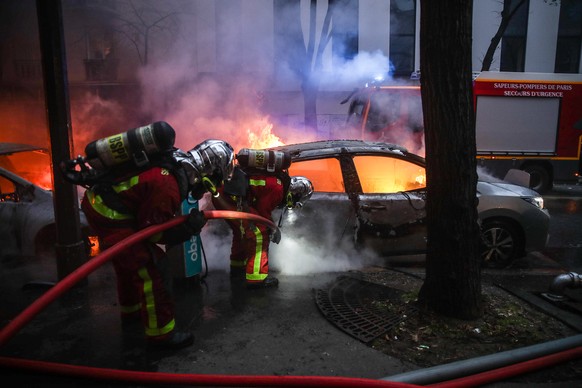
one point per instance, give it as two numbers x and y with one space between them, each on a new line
325 217
390 206
392 223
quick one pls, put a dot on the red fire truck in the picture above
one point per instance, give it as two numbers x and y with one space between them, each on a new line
529 121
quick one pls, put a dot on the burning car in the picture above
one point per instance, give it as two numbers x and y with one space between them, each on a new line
27 219
375 193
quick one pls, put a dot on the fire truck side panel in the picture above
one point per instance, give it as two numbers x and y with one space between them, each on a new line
519 125
530 121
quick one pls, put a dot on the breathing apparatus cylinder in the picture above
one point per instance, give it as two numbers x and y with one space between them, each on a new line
263 160
134 145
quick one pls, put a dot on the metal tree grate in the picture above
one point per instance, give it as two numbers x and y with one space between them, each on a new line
351 305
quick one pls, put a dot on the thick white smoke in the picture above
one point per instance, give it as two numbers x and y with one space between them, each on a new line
190 89
200 106
300 256
355 73
94 117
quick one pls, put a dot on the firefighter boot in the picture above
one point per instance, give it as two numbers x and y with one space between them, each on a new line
174 340
268 282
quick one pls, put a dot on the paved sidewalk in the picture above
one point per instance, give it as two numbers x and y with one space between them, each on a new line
238 331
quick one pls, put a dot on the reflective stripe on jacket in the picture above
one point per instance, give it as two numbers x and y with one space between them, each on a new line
100 205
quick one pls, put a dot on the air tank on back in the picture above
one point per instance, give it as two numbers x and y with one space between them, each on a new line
263 160
136 145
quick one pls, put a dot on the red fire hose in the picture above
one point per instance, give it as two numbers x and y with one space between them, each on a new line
157 378
66 283
84 270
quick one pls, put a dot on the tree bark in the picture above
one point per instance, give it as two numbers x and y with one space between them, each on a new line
310 90
309 86
453 274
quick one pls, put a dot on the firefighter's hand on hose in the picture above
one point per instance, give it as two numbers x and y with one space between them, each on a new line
276 236
195 221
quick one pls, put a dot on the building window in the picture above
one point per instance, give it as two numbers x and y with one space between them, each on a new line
569 37
290 55
514 38
402 36
290 45
344 16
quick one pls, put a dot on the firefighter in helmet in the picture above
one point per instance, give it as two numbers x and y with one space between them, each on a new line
258 193
130 203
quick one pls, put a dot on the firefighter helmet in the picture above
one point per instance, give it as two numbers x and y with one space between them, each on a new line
207 165
300 190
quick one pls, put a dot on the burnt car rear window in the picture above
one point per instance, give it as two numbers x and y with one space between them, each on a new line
381 174
325 174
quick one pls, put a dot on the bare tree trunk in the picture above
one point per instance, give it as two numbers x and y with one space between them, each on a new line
313 64
453 276
308 86
310 90
506 16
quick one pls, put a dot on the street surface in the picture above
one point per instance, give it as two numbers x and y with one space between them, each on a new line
565 244
267 332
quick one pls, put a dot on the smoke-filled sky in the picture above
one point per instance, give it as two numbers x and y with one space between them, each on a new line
235 107
237 114
208 79
243 99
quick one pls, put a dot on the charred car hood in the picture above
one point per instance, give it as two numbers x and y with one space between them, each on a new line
505 189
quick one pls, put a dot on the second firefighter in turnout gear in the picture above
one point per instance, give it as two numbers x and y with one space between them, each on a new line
126 204
258 192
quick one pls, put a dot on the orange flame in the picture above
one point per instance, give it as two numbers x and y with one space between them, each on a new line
94 244
34 166
44 180
263 136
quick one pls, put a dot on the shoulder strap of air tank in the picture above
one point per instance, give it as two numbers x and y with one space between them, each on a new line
110 197
182 180
179 173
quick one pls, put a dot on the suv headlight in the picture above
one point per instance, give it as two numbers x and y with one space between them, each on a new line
536 201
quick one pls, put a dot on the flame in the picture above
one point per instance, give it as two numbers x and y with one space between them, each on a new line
43 180
262 136
34 166
94 244
388 175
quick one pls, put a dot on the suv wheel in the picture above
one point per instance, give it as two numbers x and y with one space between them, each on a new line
502 243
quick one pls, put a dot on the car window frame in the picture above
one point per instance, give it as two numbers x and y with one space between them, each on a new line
331 156
391 156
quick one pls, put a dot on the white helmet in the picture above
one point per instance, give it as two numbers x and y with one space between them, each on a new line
300 190
207 165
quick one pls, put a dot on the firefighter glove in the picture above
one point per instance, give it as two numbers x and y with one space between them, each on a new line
276 236
195 221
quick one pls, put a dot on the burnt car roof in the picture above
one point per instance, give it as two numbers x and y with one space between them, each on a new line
333 147
11 148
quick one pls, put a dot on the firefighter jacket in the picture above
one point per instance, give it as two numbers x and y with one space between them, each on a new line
250 244
152 197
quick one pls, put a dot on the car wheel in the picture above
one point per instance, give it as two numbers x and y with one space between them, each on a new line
502 242
539 178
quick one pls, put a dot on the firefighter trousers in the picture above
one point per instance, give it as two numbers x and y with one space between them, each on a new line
141 289
250 249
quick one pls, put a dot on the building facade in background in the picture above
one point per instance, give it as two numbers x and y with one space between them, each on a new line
275 43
